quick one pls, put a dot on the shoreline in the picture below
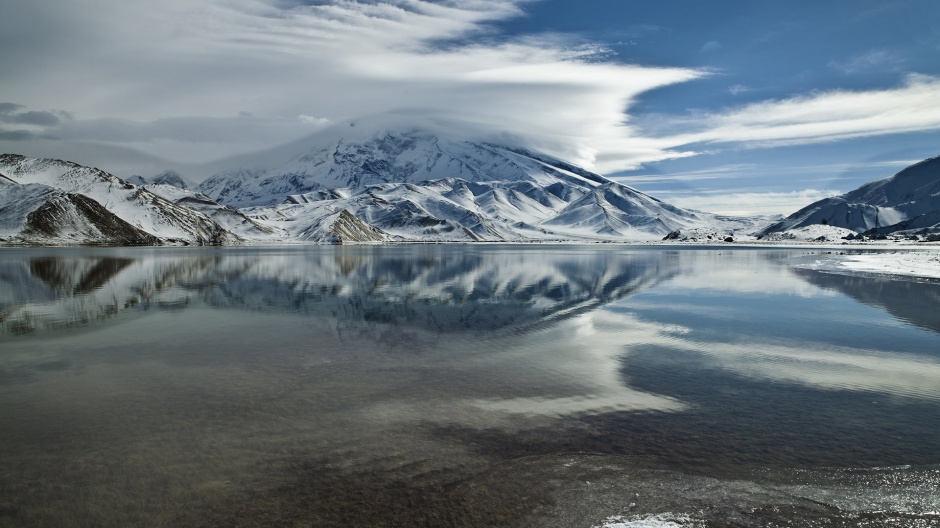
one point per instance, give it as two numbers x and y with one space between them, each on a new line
911 260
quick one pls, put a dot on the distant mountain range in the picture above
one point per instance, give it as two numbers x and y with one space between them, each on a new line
169 177
378 181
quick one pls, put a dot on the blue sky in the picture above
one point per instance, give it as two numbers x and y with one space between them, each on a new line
729 106
758 51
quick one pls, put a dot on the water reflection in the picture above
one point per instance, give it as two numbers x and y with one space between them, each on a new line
237 386
77 276
911 301
438 289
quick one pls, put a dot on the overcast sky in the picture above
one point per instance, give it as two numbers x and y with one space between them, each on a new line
731 106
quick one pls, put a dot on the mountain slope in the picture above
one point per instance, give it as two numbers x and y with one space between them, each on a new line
39 214
228 217
138 207
907 201
370 154
377 181
430 183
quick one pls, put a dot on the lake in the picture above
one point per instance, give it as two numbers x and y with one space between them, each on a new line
450 385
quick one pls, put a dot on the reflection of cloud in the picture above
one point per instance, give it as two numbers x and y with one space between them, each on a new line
912 302
815 364
753 273
825 366
572 368
735 271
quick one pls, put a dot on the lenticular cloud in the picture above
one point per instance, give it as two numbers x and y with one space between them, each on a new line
334 60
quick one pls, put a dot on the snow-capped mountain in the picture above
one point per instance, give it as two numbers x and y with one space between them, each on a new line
54 201
377 181
907 202
429 183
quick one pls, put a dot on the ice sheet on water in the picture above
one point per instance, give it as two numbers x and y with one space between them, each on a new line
659 520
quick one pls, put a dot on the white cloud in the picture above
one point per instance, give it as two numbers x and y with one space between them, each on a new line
824 116
873 60
313 120
160 77
711 46
722 172
738 202
334 60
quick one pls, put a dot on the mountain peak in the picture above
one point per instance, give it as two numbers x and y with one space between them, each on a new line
428 180
170 177
379 151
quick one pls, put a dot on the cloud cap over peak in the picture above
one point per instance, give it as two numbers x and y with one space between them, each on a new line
182 62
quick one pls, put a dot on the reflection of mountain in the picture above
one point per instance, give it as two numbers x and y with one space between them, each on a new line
439 289
913 302
43 291
83 276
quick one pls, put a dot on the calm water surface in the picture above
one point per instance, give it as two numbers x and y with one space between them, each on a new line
464 386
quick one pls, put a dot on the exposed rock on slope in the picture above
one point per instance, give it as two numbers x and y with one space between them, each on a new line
342 228
226 216
39 214
141 210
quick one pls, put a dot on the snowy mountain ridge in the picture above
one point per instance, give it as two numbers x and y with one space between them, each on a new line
906 203
427 183
54 201
169 177
380 180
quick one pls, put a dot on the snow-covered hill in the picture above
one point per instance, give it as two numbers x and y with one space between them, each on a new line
431 183
39 213
54 201
226 216
371 152
907 202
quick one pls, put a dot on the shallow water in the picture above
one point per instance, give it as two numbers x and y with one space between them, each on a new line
463 386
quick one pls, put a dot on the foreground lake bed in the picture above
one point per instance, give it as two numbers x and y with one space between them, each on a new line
463 386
